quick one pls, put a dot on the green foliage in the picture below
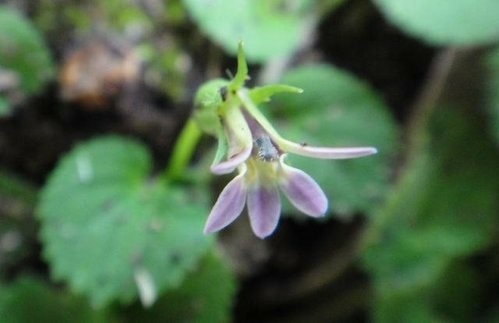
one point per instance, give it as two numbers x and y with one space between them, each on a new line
444 208
270 29
111 231
205 296
335 109
23 52
443 22
492 63
29 300
17 231
83 15
4 107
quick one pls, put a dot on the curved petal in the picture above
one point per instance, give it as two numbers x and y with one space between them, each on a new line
303 192
239 140
326 152
264 208
230 164
228 206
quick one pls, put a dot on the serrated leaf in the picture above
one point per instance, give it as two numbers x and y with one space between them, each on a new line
443 22
269 29
22 50
108 228
205 296
31 300
336 109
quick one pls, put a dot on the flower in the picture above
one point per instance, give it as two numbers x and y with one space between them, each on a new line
262 173
248 142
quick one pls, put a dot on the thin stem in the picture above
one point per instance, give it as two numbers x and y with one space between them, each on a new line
427 101
182 151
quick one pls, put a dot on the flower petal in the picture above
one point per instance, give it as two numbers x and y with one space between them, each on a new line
303 192
264 208
326 152
239 140
228 206
230 164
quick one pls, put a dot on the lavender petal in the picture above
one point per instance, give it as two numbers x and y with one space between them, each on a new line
303 192
229 165
264 209
228 206
239 140
326 152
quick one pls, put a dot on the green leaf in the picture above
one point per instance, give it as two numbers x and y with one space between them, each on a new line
30 300
50 16
114 233
444 208
23 51
443 22
335 109
492 91
4 107
205 296
269 29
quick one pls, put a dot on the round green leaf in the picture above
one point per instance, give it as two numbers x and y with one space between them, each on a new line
269 29
23 51
444 22
336 109
111 231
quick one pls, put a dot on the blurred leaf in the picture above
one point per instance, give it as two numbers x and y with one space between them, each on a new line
205 296
336 109
444 208
404 307
15 187
269 29
17 228
23 51
443 22
4 107
114 233
85 15
29 300
492 62
464 283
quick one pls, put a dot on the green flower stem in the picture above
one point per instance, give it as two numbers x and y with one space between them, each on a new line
182 151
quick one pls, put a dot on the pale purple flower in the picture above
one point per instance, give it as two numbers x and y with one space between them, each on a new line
259 154
248 142
257 186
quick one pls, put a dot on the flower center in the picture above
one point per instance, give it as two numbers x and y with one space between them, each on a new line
264 149
260 172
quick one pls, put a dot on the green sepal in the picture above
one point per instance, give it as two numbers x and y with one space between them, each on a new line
242 70
262 94
207 105
223 147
